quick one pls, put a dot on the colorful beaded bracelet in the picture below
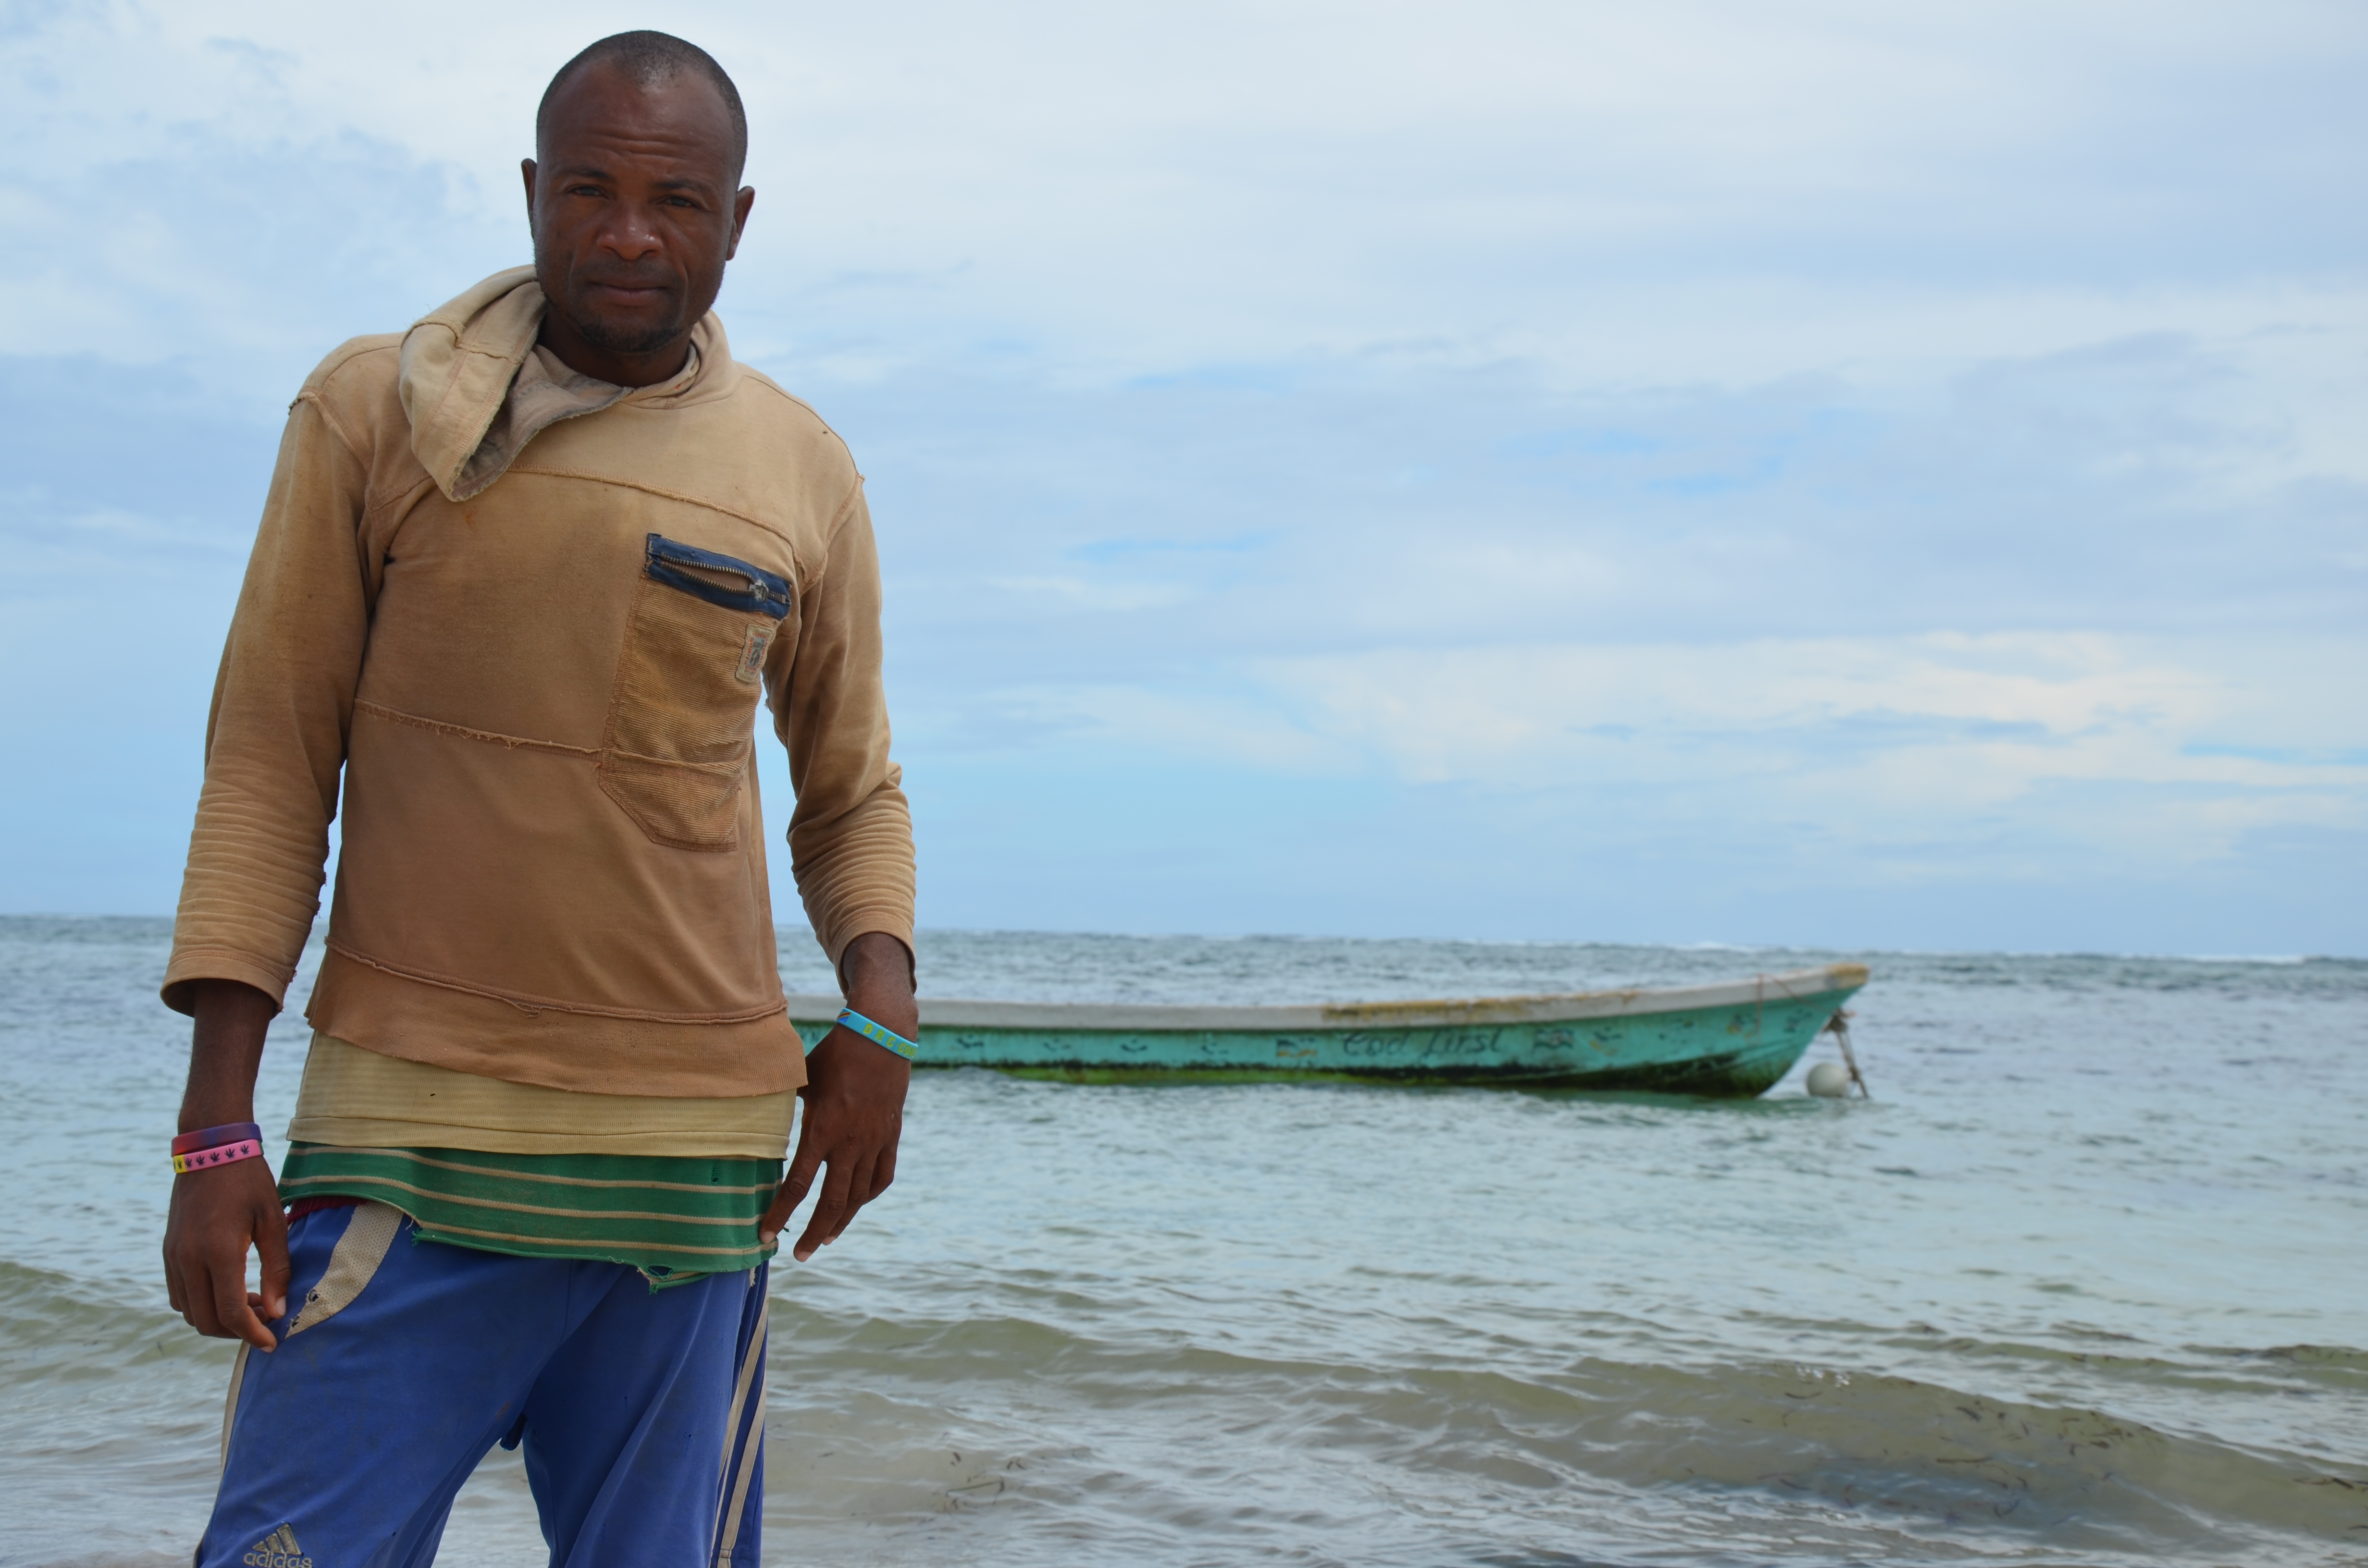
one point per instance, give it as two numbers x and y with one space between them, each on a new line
879 1034
220 1154
215 1137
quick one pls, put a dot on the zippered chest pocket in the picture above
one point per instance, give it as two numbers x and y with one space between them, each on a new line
675 752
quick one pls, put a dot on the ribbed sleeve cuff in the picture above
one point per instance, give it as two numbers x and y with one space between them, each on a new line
190 965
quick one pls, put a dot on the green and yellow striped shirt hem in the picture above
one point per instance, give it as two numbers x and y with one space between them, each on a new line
671 1217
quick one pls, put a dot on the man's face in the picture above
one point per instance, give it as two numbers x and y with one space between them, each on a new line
634 214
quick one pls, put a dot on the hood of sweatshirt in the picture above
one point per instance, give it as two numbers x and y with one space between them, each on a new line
477 389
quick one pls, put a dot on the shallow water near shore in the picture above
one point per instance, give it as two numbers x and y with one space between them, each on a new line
2084 1283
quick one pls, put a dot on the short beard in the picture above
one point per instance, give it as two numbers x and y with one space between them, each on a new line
610 340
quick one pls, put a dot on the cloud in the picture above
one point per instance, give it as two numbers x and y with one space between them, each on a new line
1709 187
1878 738
2157 485
1358 466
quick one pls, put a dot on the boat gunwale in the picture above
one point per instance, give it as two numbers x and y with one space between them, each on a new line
1792 985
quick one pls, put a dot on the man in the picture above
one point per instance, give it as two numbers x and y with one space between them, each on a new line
523 578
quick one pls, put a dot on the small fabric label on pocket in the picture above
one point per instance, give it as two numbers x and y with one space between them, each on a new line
752 654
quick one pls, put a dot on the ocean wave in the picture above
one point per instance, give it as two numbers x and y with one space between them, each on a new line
54 1328
1894 1456
1011 1433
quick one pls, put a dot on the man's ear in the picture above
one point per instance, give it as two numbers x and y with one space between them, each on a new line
525 172
740 205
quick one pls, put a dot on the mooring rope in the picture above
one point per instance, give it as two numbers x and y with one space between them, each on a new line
1839 1027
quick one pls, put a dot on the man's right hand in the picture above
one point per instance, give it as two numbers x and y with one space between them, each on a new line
217 1214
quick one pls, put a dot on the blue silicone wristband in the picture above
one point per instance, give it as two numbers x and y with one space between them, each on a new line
878 1034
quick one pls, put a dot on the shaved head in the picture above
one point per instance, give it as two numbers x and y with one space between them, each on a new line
650 60
634 198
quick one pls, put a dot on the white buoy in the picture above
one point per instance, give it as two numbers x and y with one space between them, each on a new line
1830 1080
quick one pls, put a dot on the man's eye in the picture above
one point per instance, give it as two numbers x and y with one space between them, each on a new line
583 190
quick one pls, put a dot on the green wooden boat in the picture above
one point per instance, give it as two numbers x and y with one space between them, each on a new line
1736 1038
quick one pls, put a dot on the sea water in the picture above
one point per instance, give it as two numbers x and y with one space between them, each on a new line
2085 1282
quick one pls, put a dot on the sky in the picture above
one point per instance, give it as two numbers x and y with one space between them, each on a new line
1833 474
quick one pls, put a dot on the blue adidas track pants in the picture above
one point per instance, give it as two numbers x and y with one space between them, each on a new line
402 1362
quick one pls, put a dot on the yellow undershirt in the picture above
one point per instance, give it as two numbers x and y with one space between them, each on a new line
355 1098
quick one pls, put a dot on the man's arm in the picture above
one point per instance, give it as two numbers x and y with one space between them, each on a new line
217 1214
851 847
275 746
851 834
854 1100
276 737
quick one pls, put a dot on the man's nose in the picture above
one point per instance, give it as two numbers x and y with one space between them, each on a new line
630 239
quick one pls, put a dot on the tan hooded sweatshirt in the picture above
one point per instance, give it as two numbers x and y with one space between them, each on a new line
532 632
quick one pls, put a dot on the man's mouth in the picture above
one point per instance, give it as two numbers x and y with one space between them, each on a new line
628 293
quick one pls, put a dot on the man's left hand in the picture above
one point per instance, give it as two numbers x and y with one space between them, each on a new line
854 1101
